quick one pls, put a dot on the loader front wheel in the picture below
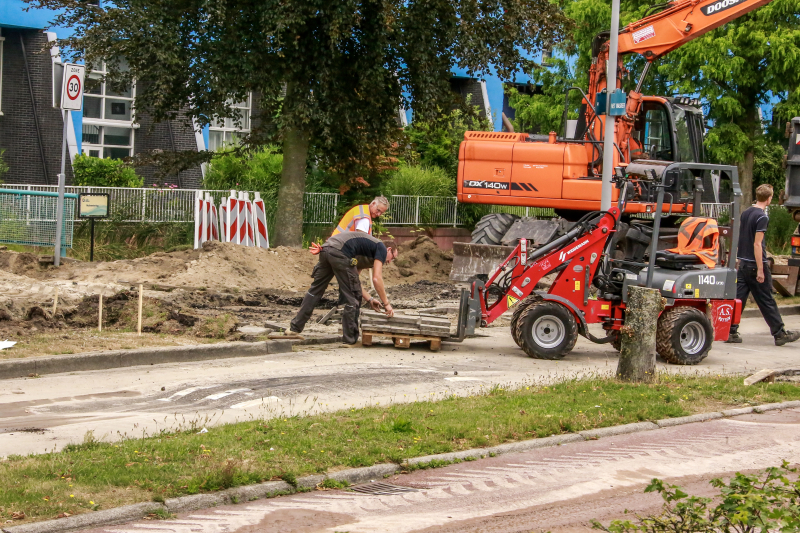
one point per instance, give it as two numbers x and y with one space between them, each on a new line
546 330
518 309
684 336
491 228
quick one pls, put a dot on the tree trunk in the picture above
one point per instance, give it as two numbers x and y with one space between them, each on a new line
746 179
637 356
752 128
289 218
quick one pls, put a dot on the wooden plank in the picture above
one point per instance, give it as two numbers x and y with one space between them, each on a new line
436 345
366 339
402 341
390 330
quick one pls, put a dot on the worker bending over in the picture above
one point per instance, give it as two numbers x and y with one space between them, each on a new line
753 276
340 257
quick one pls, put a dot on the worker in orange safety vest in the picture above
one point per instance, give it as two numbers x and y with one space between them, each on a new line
358 218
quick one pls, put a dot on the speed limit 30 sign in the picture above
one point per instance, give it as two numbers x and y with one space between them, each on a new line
72 89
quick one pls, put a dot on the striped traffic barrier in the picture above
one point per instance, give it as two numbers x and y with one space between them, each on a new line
232 212
260 222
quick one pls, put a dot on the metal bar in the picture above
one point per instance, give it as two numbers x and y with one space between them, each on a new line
656 228
36 193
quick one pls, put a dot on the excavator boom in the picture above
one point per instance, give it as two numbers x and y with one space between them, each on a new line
679 23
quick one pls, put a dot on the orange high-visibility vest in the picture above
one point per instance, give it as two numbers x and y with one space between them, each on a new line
349 220
699 236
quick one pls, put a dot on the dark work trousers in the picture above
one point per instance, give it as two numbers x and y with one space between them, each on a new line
747 284
333 262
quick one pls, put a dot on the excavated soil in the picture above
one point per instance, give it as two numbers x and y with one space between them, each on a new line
206 293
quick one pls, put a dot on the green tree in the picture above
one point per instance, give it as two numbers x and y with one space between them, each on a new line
768 168
543 112
337 70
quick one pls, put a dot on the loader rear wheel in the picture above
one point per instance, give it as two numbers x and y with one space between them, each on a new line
684 336
546 330
530 300
491 228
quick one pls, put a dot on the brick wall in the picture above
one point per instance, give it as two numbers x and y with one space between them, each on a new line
18 135
175 135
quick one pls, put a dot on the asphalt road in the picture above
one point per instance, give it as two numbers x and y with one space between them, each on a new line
559 489
42 414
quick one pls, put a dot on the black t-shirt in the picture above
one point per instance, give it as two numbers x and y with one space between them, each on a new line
754 220
361 246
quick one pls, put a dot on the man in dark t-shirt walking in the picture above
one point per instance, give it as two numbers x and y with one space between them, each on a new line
753 276
340 257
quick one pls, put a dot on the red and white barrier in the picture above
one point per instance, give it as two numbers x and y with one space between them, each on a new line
260 222
238 220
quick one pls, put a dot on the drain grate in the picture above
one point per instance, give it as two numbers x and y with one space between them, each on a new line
381 488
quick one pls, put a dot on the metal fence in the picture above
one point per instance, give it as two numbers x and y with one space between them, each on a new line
30 219
177 205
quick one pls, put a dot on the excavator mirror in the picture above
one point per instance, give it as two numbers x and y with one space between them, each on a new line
671 178
619 172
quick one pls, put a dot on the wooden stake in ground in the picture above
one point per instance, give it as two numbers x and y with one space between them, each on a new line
139 323
55 302
100 313
637 356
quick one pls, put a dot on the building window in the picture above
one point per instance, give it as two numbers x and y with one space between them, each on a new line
107 117
223 132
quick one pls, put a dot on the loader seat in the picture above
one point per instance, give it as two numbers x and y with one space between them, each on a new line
675 261
698 239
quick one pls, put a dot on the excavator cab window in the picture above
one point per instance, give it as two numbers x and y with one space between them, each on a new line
652 134
690 129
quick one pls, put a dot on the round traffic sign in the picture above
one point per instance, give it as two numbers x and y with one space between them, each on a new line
73 87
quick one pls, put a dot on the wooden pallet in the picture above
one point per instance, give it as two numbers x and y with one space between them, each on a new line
400 340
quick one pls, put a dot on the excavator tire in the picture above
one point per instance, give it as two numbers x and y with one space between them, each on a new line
491 228
546 330
684 336
520 307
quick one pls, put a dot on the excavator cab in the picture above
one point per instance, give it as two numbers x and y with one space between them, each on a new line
668 129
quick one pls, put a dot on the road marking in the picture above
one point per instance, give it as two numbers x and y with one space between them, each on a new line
184 392
219 395
463 379
745 349
255 403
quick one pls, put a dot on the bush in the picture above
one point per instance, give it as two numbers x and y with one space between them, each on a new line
3 164
748 503
436 144
98 172
779 232
414 180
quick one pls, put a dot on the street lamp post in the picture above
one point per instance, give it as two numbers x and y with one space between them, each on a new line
611 85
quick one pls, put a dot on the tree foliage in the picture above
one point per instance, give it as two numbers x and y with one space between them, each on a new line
543 112
329 73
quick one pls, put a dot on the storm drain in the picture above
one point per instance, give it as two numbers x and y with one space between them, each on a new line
381 489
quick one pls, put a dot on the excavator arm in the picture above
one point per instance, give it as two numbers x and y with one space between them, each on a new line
652 37
679 23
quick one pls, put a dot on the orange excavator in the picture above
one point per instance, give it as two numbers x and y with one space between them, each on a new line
564 171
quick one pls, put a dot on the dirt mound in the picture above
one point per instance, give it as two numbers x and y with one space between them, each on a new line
216 264
420 259
423 293
120 311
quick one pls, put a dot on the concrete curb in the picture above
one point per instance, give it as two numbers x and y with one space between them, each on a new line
19 368
355 476
786 310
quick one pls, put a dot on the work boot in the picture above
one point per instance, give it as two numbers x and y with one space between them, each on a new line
786 336
734 338
356 344
285 336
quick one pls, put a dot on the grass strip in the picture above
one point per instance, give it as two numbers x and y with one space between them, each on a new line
98 475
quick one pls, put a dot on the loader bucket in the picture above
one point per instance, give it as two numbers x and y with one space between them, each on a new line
469 260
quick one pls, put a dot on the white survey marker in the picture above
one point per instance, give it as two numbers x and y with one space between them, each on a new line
72 88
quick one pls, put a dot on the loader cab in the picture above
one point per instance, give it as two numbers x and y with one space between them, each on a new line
668 129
